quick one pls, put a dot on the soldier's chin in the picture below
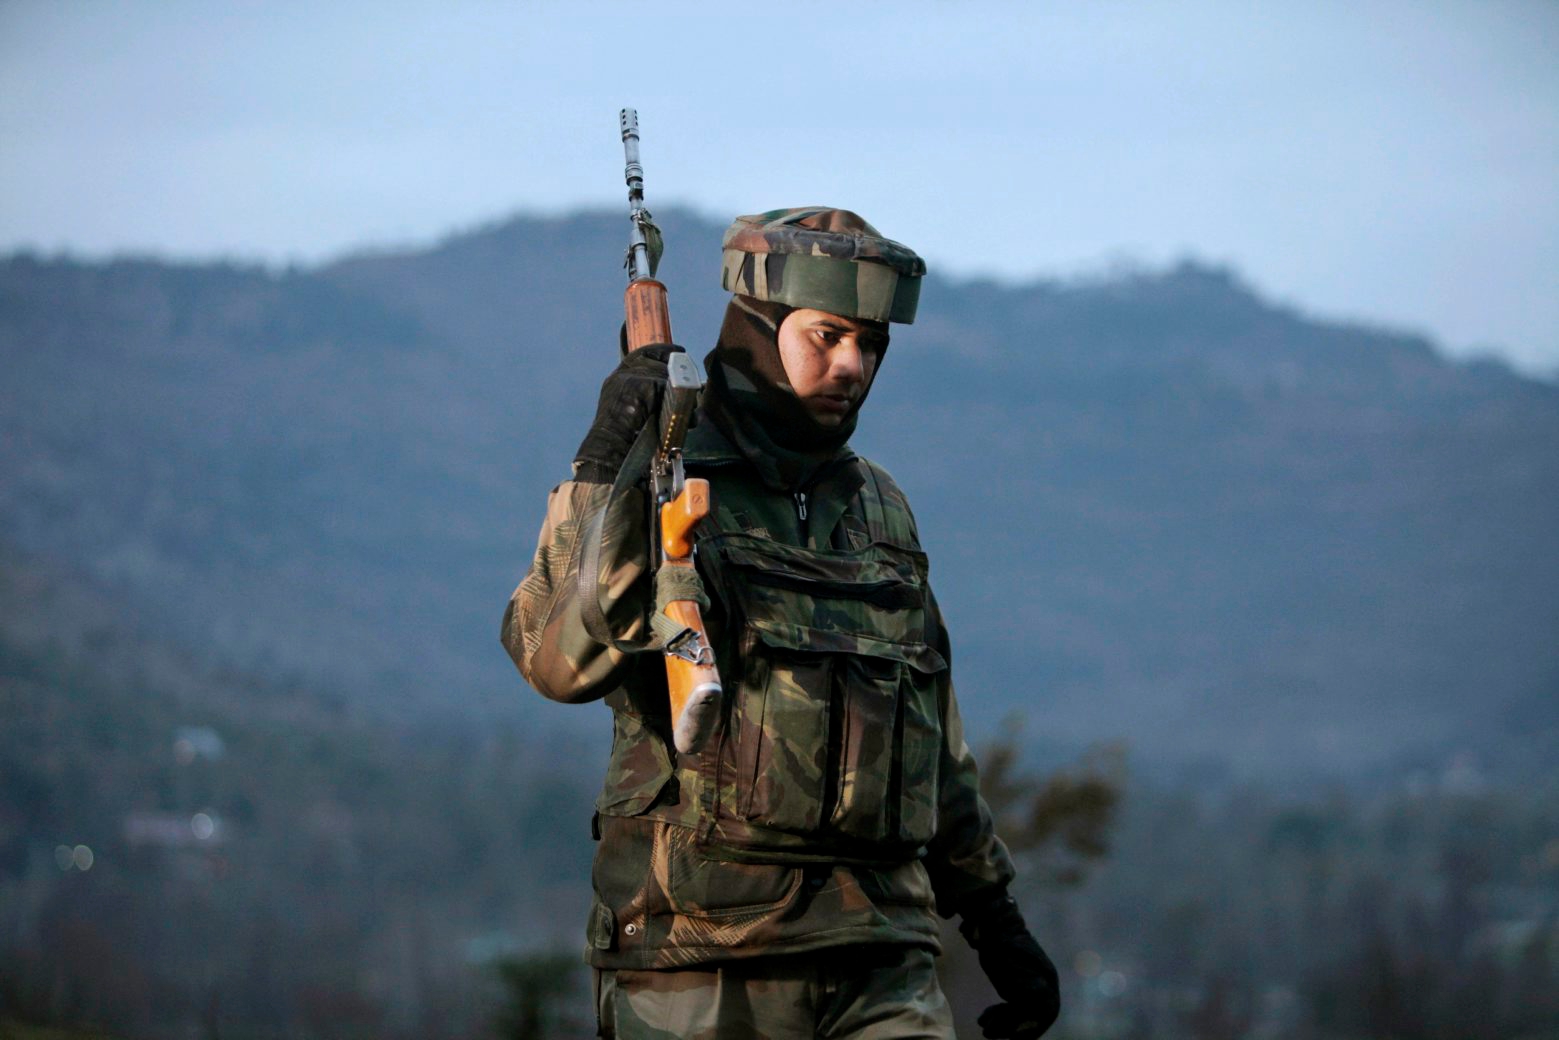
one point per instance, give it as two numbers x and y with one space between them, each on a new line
828 413
827 419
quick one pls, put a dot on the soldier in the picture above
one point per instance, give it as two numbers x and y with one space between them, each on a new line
784 881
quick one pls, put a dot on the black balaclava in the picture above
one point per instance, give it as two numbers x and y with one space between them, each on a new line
750 400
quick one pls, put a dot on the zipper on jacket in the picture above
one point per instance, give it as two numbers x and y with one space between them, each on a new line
801 505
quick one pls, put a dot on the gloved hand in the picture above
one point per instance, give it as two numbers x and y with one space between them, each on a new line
1024 977
630 397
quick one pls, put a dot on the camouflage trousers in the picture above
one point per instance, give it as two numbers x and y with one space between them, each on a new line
855 992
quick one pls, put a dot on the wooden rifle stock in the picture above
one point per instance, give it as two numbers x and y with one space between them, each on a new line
692 681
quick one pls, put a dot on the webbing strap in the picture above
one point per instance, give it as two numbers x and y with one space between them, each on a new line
671 583
589 591
678 583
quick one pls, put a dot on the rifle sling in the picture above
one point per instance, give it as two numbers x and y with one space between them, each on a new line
634 466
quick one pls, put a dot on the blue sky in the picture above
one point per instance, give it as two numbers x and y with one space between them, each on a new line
1392 162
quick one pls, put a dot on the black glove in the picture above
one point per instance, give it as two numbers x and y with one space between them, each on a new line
1023 976
630 397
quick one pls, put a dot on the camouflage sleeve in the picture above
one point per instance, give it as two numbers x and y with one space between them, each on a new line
542 627
965 855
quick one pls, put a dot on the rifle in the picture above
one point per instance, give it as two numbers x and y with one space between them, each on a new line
677 502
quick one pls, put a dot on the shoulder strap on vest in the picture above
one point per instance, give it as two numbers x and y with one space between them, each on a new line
870 498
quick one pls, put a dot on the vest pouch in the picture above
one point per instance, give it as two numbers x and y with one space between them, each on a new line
696 886
780 731
889 749
919 728
837 706
870 733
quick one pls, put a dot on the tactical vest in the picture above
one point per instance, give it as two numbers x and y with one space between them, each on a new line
831 741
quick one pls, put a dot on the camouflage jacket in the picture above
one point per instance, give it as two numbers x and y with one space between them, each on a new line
840 803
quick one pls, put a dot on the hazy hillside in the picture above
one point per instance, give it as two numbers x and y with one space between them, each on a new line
1158 506
185 844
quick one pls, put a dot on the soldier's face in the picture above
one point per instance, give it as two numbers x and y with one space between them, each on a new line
829 360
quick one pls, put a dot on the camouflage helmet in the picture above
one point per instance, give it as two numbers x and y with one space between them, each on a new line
828 259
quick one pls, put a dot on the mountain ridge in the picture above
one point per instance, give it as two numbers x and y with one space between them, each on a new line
1192 501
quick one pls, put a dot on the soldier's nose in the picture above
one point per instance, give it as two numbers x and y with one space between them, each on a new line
846 365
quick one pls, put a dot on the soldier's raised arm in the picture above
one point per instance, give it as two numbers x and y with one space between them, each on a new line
543 628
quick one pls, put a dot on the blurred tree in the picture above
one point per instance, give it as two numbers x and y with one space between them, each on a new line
1056 825
1532 1000
537 987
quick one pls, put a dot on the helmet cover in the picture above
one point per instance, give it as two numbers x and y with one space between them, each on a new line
823 258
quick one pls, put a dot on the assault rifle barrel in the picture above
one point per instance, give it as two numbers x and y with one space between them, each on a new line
633 172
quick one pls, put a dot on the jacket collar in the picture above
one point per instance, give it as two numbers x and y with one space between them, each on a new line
707 446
